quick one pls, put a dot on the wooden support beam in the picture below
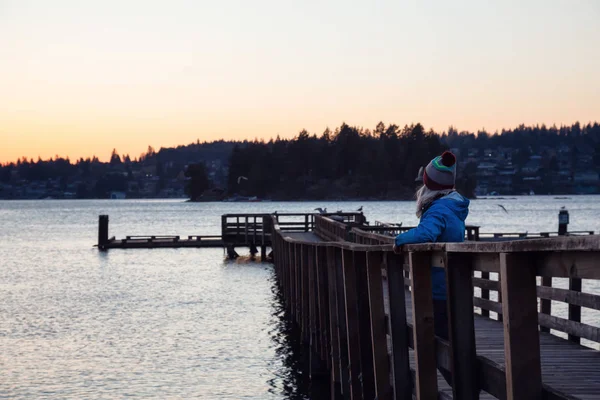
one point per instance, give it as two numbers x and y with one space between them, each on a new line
461 322
364 325
317 365
485 293
423 331
352 323
312 298
575 310
545 304
323 298
304 268
381 361
342 326
102 231
333 321
521 337
297 283
398 327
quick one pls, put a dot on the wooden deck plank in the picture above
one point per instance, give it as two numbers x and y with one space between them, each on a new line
566 366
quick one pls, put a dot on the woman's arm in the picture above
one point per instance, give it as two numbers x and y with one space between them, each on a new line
429 229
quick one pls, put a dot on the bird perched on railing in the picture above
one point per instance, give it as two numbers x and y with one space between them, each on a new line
321 210
359 209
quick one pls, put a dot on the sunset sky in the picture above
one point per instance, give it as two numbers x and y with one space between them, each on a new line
80 77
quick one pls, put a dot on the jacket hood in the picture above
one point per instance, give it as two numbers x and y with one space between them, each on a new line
456 203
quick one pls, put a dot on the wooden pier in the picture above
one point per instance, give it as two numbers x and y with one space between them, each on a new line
237 230
366 314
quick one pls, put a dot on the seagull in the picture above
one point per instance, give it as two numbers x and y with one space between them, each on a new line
359 209
321 210
502 207
339 211
240 179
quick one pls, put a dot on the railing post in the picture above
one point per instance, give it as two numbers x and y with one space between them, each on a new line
304 268
334 318
292 280
521 337
398 328
461 323
102 232
298 283
322 285
485 294
423 331
351 311
317 367
223 226
364 324
343 329
575 310
381 366
546 304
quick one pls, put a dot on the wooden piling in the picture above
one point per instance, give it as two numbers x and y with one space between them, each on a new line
102 232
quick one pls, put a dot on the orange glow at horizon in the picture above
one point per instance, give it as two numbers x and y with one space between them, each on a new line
78 79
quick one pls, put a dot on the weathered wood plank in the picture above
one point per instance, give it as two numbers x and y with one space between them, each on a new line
568 264
323 304
398 326
367 368
342 325
521 337
486 284
485 289
424 339
573 328
459 275
352 323
545 304
333 321
574 310
381 366
488 305
567 296
304 268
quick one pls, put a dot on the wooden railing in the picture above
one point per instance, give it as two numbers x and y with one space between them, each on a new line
386 229
256 228
334 291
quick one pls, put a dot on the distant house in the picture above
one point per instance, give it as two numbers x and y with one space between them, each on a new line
117 195
586 177
532 167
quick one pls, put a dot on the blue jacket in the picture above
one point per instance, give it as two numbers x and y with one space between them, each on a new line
443 221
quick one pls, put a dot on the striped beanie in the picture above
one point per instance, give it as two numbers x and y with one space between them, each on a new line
440 173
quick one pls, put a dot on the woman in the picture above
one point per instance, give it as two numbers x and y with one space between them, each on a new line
442 212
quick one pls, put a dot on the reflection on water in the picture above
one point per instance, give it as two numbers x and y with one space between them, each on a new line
292 381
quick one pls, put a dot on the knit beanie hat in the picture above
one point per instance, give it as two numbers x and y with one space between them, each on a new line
440 173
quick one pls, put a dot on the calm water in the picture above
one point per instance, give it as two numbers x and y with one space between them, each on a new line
170 323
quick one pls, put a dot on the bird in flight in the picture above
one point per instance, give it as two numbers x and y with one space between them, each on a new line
502 207
240 179
321 210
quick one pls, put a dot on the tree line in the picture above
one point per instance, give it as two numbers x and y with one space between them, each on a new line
347 162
